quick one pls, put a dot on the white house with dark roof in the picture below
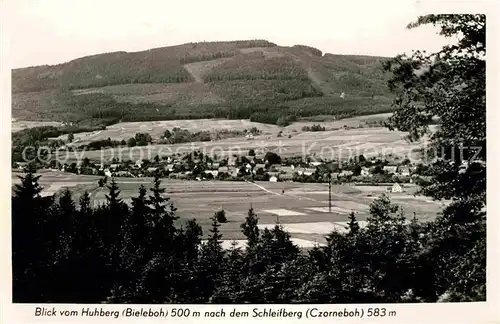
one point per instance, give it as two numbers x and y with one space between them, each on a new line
396 188
214 173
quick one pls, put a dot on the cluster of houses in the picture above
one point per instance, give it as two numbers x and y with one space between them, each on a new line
199 167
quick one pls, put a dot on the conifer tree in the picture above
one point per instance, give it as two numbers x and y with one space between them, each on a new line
229 289
136 246
353 225
250 229
112 222
212 259
159 277
162 212
31 257
187 252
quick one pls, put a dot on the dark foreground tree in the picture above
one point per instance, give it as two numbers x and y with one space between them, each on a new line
450 86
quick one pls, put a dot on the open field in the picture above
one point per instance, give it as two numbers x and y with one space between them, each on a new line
156 129
338 144
303 208
54 181
23 124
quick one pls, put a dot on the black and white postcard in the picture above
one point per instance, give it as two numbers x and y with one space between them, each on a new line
258 161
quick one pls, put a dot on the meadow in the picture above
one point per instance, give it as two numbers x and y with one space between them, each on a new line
335 144
302 209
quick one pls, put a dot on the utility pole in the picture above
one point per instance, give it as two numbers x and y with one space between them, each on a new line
330 192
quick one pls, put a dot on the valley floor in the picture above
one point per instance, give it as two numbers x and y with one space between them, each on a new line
302 209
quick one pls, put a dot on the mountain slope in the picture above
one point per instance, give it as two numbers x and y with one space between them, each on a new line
241 79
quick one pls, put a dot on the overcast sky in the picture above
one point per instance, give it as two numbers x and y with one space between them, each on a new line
56 31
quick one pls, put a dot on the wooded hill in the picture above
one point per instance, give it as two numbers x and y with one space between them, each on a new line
253 79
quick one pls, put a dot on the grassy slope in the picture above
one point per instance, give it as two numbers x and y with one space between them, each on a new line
201 80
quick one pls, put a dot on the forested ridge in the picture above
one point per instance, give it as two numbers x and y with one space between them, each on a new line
240 79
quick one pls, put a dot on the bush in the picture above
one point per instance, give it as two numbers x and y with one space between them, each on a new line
282 121
272 158
221 216
313 128
131 142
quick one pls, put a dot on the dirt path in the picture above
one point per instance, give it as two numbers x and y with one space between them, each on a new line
316 80
282 195
197 76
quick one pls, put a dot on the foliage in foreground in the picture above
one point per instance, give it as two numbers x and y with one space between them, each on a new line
113 253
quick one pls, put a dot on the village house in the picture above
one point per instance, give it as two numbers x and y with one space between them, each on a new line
315 163
273 174
404 171
152 169
214 173
365 172
169 167
182 176
390 169
287 169
396 188
248 166
306 171
138 164
273 179
122 174
346 173
21 165
114 166
232 161
285 177
107 173
233 171
224 169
